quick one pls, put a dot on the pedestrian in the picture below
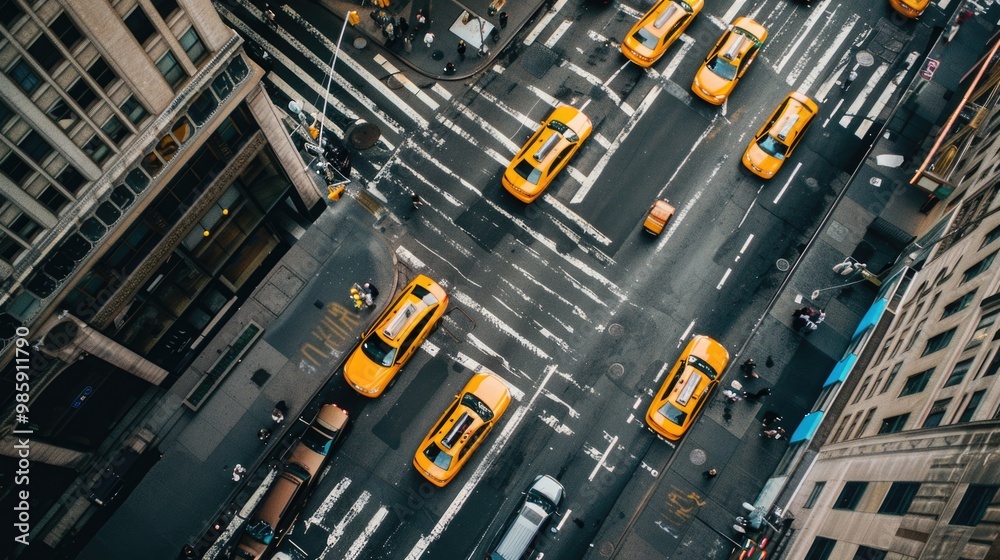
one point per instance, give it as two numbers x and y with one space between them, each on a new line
449 68
801 320
732 396
417 201
428 39
818 316
765 392
279 411
769 418
776 433
263 435
271 18
483 51
850 79
710 473
461 49
421 19
238 472
503 20
389 30
495 35
371 289
403 25
749 368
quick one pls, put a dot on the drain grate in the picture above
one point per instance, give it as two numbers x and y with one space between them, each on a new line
538 59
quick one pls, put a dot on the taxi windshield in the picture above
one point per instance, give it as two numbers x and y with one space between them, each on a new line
772 147
702 366
566 131
378 350
722 68
473 403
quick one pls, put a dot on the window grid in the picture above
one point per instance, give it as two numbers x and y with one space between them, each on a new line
893 424
938 342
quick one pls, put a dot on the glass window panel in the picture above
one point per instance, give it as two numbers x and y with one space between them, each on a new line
202 108
108 213
15 168
45 53
63 114
137 180
102 73
193 46
93 229
152 164
10 13
66 31
9 248
115 130
97 149
25 227
182 130
170 68
167 147
24 76
5 112
71 179
238 69
140 26
82 94
122 197
222 85
134 110
34 146
165 7
53 199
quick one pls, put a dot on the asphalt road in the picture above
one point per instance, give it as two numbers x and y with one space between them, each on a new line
567 299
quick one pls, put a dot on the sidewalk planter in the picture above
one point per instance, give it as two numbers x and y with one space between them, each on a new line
221 368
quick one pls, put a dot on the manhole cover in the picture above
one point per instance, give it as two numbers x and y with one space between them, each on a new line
782 265
616 370
363 135
607 549
812 183
360 43
865 58
698 457
616 330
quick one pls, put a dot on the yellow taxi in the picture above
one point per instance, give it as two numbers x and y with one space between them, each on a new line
462 428
910 8
658 29
546 153
395 336
729 60
687 387
779 136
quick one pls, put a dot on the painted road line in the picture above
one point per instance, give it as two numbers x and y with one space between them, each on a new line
788 182
875 110
724 277
749 208
490 130
802 33
362 540
403 79
580 222
746 244
439 89
677 220
630 418
595 81
734 8
599 168
558 33
600 463
805 60
616 72
544 21
834 112
331 499
827 56
677 57
638 400
659 374
687 331
563 520
456 504
503 327
338 531
473 139
856 105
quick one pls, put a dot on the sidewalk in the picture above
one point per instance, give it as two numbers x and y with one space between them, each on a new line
450 21
309 324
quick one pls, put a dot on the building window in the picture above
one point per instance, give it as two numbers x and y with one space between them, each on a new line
34 146
916 333
869 553
102 73
892 377
973 506
862 389
10 13
97 149
958 305
992 236
5 113
24 76
878 380
936 414
45 53
193 46
958 374
63 115
938 342
916 383
9 248
115 130
140 26
898 498
169 67
165 7
82 94
821 549
52 199
981 330
15 168
25 228
994 366
850 428
840 428
71 179
971 406
814 495
850 496
865 422
66 31
134 110
893 424
978 268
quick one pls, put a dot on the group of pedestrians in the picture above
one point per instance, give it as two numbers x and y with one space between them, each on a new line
364 295
807 320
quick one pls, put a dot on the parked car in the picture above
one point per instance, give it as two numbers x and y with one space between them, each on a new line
275 514
687 387
313 448
539 504
653 34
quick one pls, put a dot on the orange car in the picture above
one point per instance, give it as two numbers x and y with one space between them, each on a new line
687 387
729 60
910 8
658 29
462 428
546 153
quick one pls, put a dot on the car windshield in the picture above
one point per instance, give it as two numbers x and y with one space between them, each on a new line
702 366
528 172
437 456
535 497
317 441
566 132
646 38
672 413
722 68
261 531
773 147
378 350
473 403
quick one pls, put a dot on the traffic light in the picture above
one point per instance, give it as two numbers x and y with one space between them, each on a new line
352 18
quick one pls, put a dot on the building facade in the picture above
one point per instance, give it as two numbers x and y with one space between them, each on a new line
910 468
146 184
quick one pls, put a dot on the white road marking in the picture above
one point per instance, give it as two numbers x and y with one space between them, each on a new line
595 81
563 520
331 499
237 523
805 60
630 418
734 8
677 220
503 327
543 22
551 421
638 400
576 219
724 277
834 112
409 258
485 349
856 105
687 331
746 244
558 33
749 208
788 182
362 540
338 531
659 374
439 89
600 463
875 110
678 57
802 33
599 168
403 79
828 54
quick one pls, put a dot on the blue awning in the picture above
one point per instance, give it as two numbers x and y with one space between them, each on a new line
807 427
841 370
872 316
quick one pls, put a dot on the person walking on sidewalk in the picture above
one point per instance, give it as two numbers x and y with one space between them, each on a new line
370 289
449 68
754 397
429 39
461 49
238 472
416 201
503 20
776 433
769 418
749 368
403 25
710 474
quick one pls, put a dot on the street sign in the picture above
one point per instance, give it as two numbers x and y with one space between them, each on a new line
927 70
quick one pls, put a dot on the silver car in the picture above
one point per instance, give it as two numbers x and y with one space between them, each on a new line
540 502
